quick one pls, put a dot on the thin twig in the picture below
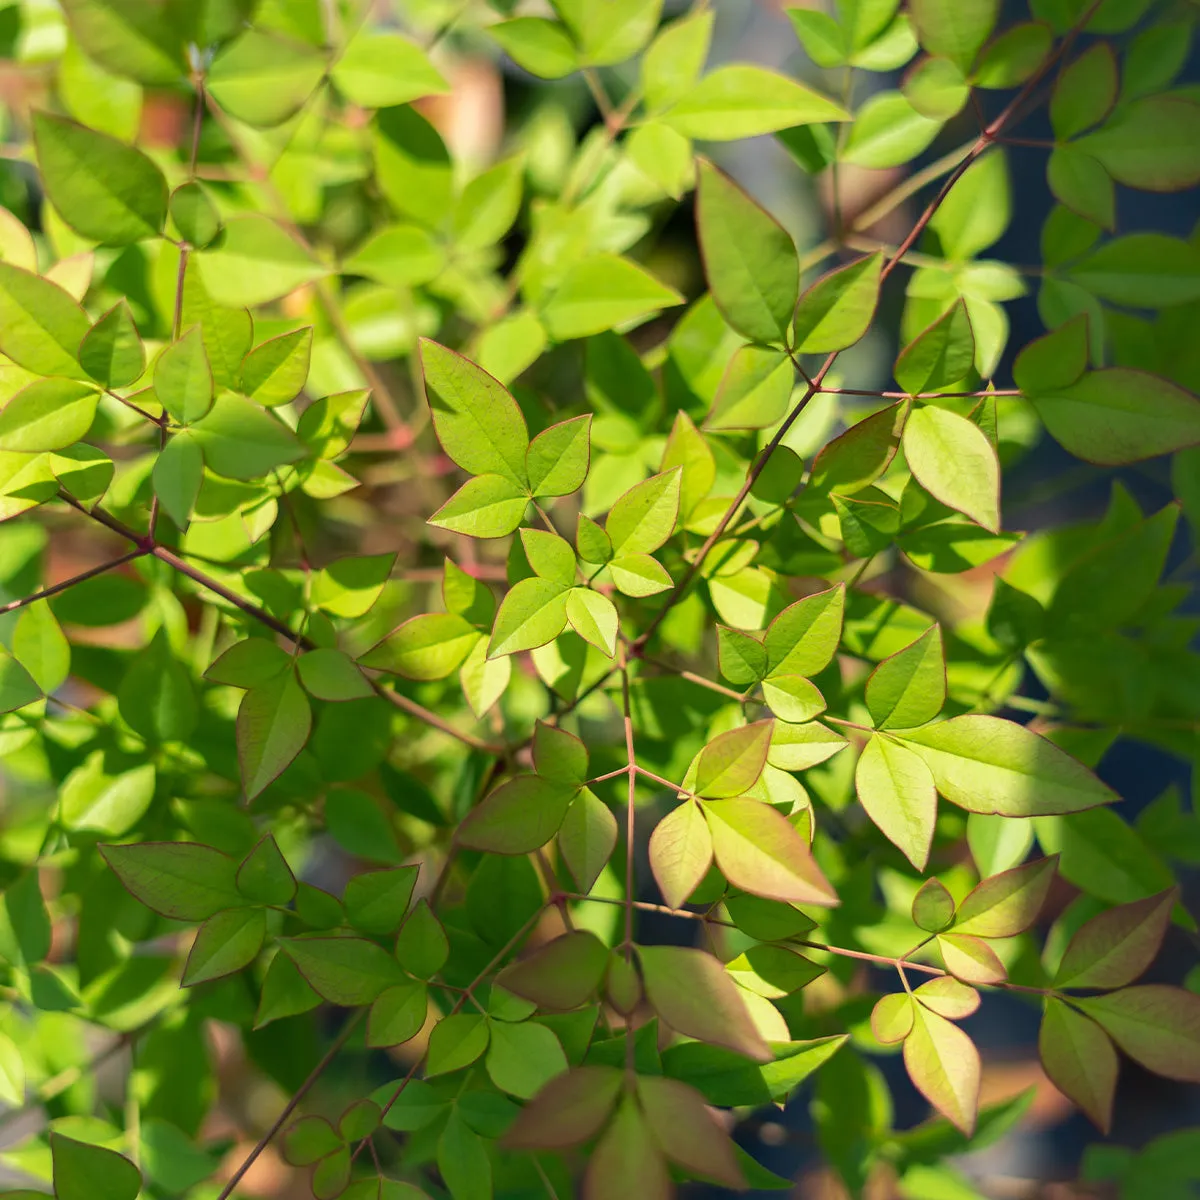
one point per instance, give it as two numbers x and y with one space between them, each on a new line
82 577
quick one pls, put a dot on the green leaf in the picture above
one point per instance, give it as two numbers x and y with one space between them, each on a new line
792 698
681 853
542 47
639 575
156 696
754 390
673 61
1084 92
750 261
273 724
612 33
691 992
892 1018
39 645
932 906
948 998
987 764
888 131
533 613
255 262
520 816
349 971
522 1059
422 947
936 88
488 205
558 458
225 943
376 901
86 1172
1118 416
25 930
627 1161
798 747
732 762
909 688
594 617
129 38
263 79
601 292
550 556
241 441
108 801
940 356
955 462
398 1014
183 380
412 166
181 880
896 789
1115 947
112 352
41 325
248 663
309 1140
17 685
477 421
858 457
944 1066
742 658
759 851
587 837
803 639
560 975
559 755
955 29
456 1042
1055 361
332 675
1011 58
1080 1060
837 310
1008 903
971 959
103 189
726 1078
49 414
644 517
1152 144
1081 183
377 70
740 101
1141 270
195 215
428 646
1156 1025
487 506
264 875
274 372
398 256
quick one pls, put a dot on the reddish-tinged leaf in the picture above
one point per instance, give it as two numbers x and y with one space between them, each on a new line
1156 1025
933 906
182 880
892 1018
691 992
1080 1060
895 787
520 816
559 755
944 1066
948 998
397 1014
971 960
344 970
561 975
732 762
587 837
759 851
681 851
627 1161
224 944
273 723
687 1132
1114 948
1008 903
570 1109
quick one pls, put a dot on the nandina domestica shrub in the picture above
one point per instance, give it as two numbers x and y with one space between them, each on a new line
512 660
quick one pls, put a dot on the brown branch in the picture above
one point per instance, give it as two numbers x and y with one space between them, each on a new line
291 1106
82 577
